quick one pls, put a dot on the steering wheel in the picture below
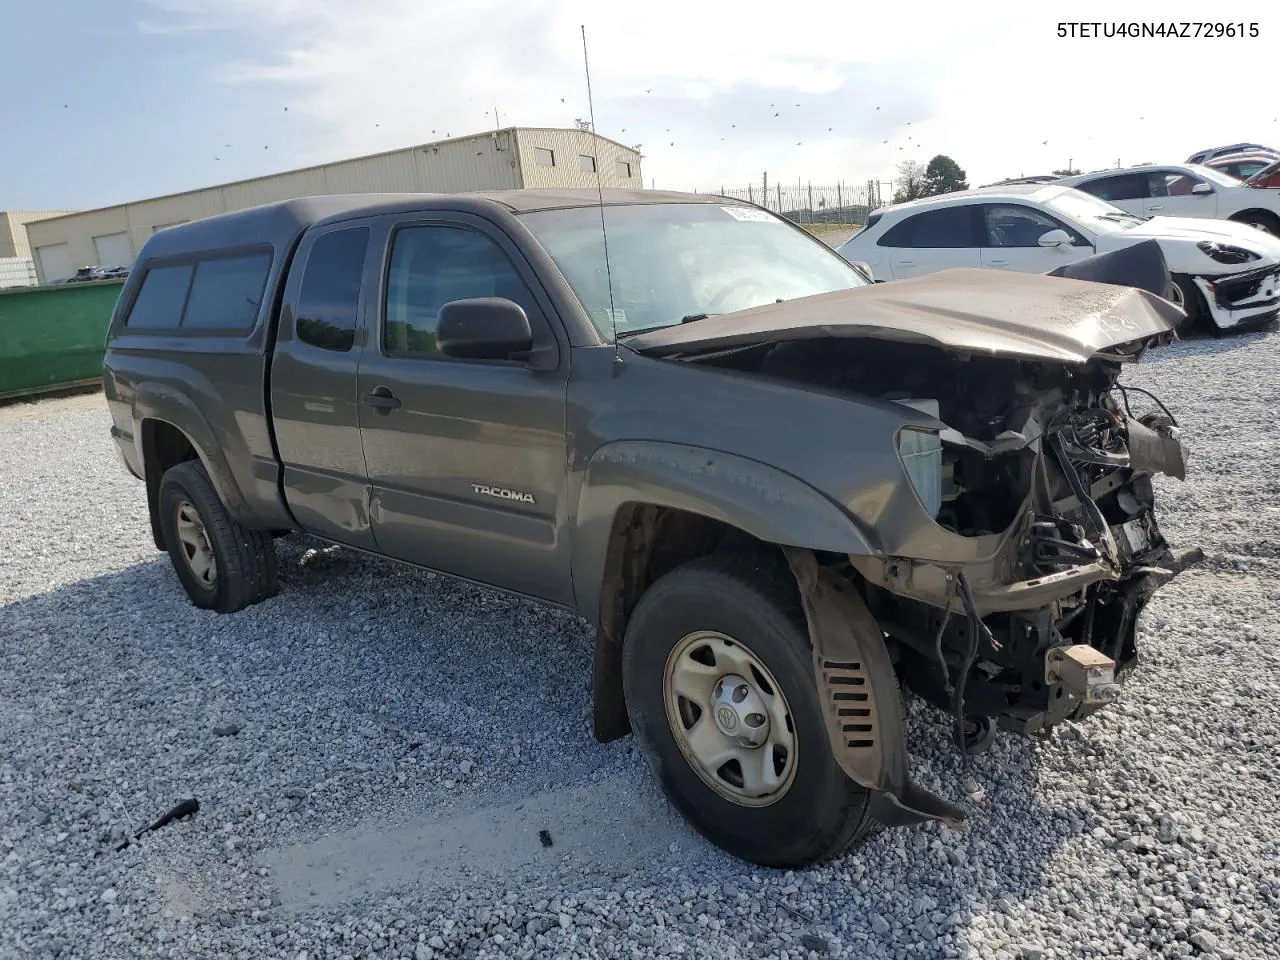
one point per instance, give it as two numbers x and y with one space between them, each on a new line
729 288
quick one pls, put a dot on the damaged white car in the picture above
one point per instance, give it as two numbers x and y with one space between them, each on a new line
1225 275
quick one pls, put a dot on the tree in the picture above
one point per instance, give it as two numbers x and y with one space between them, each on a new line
943 175
1066 173
910 182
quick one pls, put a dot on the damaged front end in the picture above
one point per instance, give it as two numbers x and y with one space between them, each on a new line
1002 479
1046 470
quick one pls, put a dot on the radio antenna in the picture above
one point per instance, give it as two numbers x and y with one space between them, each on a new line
604 231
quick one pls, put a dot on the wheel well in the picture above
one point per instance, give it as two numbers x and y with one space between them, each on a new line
163 446
1255 213
646 541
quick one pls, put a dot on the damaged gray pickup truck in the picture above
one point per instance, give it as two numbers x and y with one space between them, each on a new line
776 491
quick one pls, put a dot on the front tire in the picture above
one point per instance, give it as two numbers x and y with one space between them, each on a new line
1188 296
719 685
222 565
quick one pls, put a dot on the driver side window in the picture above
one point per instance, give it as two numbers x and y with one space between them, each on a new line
1170 183
1014 225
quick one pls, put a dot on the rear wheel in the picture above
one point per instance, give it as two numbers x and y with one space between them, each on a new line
222 565
719 685
1262 219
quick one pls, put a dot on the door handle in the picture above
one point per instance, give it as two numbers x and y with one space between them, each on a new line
381 399
906 263
1155 206
998 263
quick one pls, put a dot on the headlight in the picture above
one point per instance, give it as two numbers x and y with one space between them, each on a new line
921 455
1225 253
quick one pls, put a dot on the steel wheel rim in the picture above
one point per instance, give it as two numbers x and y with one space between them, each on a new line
1176 297
742 745
193 541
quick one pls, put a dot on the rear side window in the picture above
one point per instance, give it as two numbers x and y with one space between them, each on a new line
1129 186
161 298
330 297
948 227
226 293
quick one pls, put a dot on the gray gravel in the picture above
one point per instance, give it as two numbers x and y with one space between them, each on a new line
378 754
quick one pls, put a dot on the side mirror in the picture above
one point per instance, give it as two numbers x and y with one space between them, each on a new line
1055 238
864 270
1201 190
484 328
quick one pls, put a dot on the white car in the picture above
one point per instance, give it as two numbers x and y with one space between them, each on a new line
1225 273
1242 166
1182 190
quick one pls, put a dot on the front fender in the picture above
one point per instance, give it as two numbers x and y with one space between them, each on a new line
765 502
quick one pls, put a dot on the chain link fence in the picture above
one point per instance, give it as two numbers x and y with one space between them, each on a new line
843 204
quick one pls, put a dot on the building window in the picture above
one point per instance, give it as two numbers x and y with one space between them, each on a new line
624 170
544 157
586 164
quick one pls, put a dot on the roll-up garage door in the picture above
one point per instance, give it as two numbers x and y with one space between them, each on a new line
55 262
113 250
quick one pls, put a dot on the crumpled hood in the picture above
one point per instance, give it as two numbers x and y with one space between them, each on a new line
976 311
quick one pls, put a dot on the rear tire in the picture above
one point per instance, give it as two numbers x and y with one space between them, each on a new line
1262 219
752 603
222 565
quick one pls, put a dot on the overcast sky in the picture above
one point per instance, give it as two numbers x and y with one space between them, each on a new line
108 103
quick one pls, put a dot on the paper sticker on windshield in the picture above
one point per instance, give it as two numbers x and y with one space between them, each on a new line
619 316
748 213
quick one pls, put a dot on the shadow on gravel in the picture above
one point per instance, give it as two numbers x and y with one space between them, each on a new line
402 731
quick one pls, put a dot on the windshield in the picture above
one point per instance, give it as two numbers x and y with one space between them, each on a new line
1090 212
672 261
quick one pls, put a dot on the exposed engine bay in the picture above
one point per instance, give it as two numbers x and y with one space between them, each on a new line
1048 466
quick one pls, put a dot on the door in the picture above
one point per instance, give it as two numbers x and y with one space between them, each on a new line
1173 193
933 240
113 250
467 459
1128 191
55 262
1012 234
313 386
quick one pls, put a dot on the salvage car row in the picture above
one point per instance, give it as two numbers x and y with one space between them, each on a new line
1216 220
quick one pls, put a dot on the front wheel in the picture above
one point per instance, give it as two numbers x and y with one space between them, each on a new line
1188 296
719 684
222 565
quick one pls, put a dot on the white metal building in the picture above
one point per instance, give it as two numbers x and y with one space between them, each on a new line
511 158
16 266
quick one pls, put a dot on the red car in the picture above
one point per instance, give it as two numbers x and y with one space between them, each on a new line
1268 178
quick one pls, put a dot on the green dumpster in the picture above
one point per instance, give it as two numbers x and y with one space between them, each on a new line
54 336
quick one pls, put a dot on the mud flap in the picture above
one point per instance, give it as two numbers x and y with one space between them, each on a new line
859 693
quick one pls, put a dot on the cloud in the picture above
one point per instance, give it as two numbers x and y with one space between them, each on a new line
699 84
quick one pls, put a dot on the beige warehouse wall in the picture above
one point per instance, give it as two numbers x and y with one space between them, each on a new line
13 232
568 146
496 160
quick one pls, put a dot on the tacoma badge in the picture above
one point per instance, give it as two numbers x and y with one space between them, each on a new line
502 493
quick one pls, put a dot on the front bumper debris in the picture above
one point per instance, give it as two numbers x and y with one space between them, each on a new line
1250 298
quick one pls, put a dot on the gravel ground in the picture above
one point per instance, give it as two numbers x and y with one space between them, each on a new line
377 750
